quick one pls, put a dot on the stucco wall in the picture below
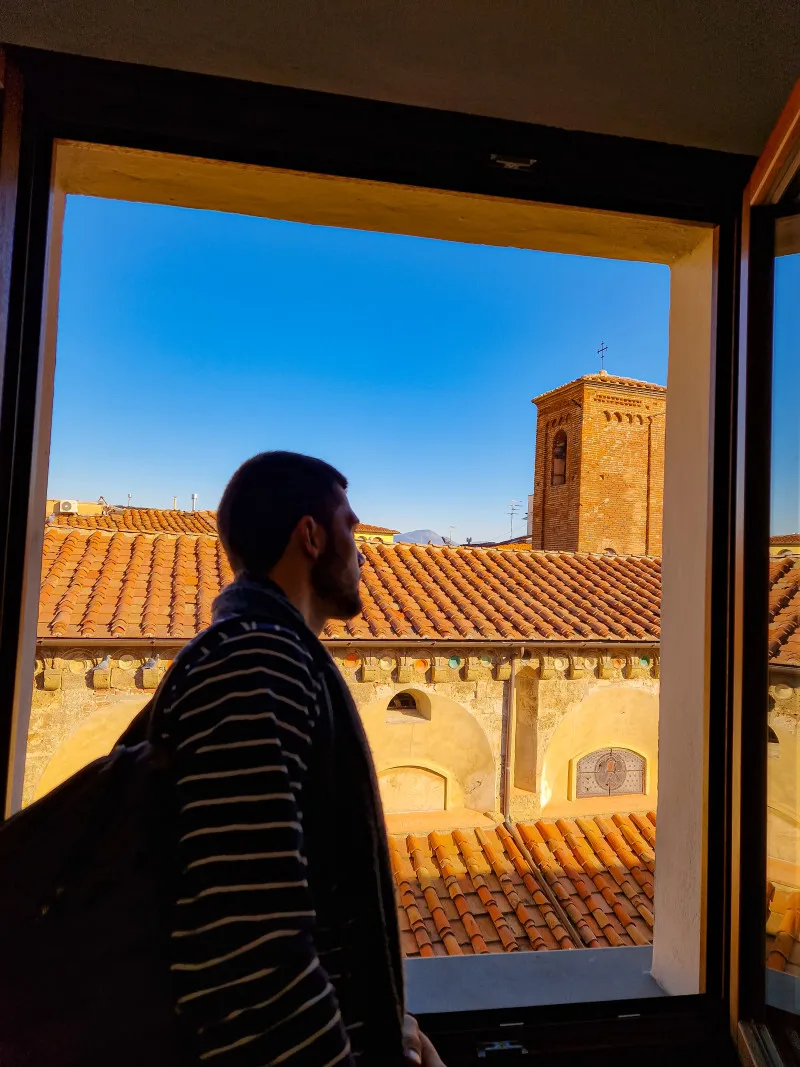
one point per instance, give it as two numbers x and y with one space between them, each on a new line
452 757
75 722
783 785
453 743
571 707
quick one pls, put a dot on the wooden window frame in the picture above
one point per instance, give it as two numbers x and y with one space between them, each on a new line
49 97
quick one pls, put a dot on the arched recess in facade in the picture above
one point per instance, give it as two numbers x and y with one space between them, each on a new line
620 715
450 744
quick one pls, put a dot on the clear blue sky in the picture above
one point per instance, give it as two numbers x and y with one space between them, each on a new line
189 340
786 389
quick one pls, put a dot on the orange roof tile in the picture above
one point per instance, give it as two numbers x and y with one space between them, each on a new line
365 527
785 539
784 611
120 585
605 379
158 520
96 583
142 520
104 584
548 885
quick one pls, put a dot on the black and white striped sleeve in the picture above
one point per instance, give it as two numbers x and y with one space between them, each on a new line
247 975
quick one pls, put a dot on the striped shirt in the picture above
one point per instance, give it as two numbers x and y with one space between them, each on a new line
254 968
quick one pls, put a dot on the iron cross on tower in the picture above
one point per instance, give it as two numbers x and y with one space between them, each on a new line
601 351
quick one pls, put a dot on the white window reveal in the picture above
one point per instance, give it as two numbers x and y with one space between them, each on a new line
609 772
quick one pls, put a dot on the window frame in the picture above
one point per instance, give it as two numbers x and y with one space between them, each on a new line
777 165
215 118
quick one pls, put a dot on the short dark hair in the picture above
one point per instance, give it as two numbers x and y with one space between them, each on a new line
264 501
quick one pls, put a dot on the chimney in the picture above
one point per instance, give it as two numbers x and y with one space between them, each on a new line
174 503
194 501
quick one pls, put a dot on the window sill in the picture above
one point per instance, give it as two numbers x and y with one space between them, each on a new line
525 979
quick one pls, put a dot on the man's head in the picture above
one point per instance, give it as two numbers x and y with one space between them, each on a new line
286 516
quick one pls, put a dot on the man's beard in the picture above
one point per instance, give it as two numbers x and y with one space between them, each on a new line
325 578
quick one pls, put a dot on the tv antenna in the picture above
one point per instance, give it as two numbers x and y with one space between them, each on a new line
512 510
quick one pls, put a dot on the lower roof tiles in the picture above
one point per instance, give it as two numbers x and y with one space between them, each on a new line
535 887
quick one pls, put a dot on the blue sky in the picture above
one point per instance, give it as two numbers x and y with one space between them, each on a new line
785 391
189 340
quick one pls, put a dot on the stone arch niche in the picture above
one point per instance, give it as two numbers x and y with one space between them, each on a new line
621 717
449 743
411 788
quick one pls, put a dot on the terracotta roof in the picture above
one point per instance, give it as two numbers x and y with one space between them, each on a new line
108 585
158 520
785 539
143 520
96 583
784 611
783 929
606 379
103 584
473 891
365 527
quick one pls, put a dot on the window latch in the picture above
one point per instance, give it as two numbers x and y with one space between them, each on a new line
492 1050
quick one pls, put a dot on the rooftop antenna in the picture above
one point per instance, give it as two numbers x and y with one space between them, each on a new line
513 508
194 501
601 351
450 536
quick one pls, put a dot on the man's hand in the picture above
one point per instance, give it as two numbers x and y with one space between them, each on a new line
417 1047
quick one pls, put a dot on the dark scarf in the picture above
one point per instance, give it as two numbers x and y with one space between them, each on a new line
358 879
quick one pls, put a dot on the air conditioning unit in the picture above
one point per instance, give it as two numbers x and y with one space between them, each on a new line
68 507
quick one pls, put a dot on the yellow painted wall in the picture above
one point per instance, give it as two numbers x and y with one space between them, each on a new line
451 743
375 538
95 737
614 716
783 779
85 507
412 789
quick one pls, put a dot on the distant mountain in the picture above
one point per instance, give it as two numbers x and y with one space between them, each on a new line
419 537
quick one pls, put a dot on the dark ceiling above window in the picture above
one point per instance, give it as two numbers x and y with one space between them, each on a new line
711 75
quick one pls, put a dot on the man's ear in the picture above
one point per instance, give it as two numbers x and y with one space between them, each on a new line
310 536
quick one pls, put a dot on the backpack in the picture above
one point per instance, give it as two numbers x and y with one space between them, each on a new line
84 906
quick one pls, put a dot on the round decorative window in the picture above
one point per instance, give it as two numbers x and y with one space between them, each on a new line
455 662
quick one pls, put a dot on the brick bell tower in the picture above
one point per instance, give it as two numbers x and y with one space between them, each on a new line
599 469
